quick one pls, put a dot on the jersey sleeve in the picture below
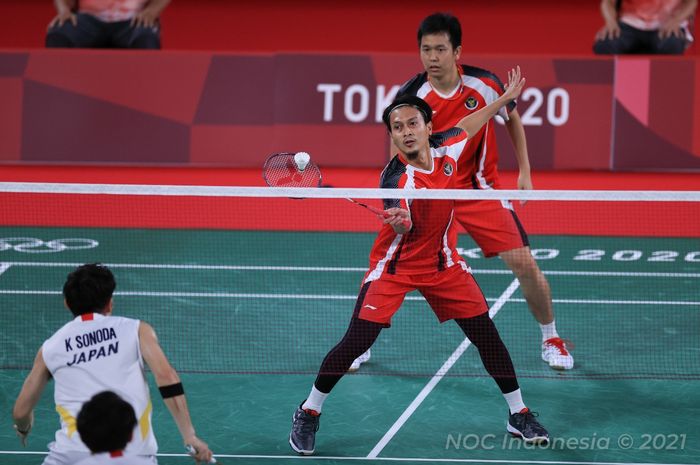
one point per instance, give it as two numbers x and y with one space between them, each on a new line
492 81
394 177
450 142
411 86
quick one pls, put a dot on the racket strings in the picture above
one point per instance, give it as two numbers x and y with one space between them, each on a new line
280 170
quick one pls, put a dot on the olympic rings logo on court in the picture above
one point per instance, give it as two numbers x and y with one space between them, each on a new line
35 245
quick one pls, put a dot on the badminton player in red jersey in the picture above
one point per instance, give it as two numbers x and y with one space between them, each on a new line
454 91
421 254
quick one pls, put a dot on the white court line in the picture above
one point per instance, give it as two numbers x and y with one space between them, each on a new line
451 360
345 269
234 295
4 267
384 459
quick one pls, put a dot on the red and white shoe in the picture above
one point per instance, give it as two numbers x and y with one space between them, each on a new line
556 354
359 361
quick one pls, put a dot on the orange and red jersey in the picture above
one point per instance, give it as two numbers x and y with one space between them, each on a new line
478 168
112 10
431 244
648 14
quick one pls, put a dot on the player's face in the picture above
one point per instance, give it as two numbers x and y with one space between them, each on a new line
437 55
409 132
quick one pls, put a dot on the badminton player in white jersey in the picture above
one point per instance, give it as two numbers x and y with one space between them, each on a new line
96 352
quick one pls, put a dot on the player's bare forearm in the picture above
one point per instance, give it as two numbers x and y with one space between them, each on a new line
22 412
178 409
64 6
608 10
516 131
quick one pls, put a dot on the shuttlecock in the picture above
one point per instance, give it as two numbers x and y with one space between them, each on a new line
301 159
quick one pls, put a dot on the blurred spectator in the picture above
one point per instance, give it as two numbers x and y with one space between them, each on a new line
106 24
644 26
106 424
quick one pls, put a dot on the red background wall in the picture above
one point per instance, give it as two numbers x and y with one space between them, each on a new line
490 26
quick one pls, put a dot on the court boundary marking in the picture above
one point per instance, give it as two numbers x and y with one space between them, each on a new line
342 269
384 459
234 295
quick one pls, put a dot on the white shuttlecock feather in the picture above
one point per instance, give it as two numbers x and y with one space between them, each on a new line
301 159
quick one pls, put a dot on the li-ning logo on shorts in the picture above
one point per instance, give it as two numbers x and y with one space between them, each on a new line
447 169
471 103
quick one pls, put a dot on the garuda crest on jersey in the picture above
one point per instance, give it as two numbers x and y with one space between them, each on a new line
448 169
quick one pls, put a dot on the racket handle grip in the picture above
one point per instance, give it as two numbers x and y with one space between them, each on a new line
191 451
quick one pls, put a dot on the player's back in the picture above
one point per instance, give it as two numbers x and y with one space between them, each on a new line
95 353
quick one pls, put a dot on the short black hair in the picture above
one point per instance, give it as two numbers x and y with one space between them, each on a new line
441 22
408 100
89 288
106 422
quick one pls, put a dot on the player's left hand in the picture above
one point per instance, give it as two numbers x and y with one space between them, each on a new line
22 434
515 84
524 183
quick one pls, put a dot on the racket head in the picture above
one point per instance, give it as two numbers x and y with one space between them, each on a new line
280 170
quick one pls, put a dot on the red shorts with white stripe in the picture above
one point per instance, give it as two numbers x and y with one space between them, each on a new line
492 224
451 293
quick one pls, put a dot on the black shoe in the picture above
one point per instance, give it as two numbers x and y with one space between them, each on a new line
525 426
304 427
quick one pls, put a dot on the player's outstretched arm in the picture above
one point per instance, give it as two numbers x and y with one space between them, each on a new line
23 411
171 389
472 123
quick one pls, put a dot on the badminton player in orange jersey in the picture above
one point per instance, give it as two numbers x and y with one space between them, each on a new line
455 91
421 254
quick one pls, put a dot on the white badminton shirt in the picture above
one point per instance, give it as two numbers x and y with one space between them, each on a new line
91 354
110 459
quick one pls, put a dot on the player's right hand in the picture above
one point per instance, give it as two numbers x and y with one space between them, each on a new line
22 435
199 450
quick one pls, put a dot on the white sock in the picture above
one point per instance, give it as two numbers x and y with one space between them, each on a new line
315 400
515 401
549 331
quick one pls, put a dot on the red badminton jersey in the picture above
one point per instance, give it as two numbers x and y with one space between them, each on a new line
431 243
478 166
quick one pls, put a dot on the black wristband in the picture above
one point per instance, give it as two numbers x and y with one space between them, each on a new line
171 391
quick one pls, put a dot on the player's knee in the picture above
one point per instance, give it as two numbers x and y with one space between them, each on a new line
521 262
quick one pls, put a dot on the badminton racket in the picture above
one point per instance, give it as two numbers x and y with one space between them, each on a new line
288 169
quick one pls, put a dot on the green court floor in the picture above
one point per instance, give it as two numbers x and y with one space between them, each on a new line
246 317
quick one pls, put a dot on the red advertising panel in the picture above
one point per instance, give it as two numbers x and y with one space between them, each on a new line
203 108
